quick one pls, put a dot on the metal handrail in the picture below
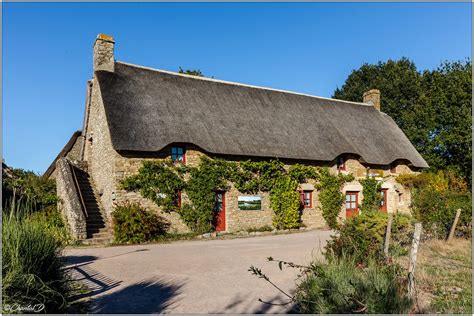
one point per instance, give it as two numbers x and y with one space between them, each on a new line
78 189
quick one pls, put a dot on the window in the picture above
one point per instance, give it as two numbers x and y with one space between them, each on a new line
178 154
306 199
352 208
383 200
177 201
341 164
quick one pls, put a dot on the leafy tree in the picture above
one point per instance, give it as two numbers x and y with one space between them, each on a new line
191 72
433 107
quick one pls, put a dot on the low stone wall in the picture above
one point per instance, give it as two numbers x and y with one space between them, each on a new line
69 202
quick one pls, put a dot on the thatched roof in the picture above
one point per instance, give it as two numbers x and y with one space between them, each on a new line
148 109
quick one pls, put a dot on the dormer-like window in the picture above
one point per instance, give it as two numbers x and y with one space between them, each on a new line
178 154
341 164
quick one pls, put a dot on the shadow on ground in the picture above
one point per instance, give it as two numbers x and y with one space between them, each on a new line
147 296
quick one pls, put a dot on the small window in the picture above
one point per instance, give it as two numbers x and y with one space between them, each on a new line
341 164
306 199
178 154
177 201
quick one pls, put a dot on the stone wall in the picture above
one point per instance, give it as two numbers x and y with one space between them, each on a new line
69 201
73 154
98 151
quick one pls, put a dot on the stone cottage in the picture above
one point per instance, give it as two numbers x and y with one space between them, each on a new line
134 113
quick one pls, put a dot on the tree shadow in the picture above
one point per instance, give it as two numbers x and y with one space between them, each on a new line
73 260
153 295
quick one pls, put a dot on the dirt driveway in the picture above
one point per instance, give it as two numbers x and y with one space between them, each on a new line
193 276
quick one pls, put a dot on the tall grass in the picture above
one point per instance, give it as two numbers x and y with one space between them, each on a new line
32 265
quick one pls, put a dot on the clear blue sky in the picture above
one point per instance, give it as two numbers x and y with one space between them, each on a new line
305 47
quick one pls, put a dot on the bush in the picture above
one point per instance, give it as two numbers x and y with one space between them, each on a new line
32 266
341 286
436 211
133 224
362 237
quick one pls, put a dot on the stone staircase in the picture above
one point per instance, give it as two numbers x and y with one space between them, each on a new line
97 230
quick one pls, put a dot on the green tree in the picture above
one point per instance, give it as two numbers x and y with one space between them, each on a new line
433 107
191 72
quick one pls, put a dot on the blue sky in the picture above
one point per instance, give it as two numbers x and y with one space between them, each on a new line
303 47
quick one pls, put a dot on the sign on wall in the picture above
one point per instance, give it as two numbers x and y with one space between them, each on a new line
250 203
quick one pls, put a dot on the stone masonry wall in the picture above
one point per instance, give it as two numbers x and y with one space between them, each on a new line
99 152
69 202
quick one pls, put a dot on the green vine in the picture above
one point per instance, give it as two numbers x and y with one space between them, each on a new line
330 195
372 198
158 181
205 180
285 202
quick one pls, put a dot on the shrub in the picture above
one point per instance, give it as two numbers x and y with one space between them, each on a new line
32 266
134 224
436 210
362 237
341 286
27 186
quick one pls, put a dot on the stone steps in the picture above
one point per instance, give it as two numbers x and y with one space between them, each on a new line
97 231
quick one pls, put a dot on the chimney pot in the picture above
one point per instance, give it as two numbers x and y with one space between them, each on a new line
104 53
372 97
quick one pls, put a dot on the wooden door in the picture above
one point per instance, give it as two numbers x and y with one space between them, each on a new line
383 202
219 212
352 204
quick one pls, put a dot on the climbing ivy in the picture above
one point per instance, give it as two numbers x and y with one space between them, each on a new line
330 195
302 173
158 181
257 176
205 180
372 197
285 202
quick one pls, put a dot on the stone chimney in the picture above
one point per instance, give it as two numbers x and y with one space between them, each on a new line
104 53
372 97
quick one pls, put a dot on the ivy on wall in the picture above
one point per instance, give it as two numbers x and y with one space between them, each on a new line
160 181
205 180
330 195
372 198
285 202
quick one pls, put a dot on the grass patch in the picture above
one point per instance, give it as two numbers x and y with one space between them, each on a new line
443 276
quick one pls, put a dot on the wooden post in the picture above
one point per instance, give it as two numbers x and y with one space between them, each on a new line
453 228
387 235
412 263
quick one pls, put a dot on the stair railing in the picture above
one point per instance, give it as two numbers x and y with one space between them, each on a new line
78 190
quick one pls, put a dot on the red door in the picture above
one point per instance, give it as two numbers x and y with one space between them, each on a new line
219 215
383 202
352 207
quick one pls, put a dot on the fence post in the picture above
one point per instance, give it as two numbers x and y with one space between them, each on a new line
387 235
412 263
453 228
